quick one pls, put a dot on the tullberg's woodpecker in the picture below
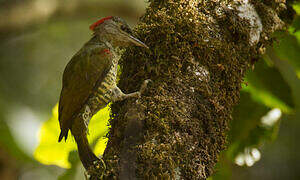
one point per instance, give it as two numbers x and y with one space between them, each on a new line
89 81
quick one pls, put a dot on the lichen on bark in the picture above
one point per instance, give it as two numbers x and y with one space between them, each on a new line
199 53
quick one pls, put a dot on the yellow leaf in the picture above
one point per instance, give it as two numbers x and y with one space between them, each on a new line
50 152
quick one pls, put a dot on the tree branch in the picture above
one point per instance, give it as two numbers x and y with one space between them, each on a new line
199 53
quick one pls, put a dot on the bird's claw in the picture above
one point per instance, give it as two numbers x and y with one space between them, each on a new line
144 86
97 169
99 164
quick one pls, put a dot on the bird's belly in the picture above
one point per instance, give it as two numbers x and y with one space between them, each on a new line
101 96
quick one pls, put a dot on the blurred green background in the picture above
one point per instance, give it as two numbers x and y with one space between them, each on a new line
38 38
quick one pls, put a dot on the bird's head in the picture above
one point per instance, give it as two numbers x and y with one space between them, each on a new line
116 31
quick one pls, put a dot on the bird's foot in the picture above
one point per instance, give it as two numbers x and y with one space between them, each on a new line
96 171
144 86
118 95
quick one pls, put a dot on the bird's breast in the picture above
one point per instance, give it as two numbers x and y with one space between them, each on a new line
102 95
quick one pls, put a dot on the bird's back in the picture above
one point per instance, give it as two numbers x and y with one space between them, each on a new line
84 72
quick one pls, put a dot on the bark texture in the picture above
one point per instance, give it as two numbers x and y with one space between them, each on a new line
199 53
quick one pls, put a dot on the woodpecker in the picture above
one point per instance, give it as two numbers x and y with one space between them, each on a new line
89 81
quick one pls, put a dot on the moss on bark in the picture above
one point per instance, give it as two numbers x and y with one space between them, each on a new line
199 53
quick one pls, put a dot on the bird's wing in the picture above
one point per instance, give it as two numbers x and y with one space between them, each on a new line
80 77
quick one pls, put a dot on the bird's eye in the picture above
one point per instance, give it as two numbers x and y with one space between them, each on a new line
126 29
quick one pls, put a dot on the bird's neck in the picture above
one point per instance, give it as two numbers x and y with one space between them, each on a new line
97 41
102 41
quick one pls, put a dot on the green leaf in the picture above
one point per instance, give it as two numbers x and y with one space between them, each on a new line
50 152
247 131
296 7
266 86
246 118
288 49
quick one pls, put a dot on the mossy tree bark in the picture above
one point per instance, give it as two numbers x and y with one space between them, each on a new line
199 53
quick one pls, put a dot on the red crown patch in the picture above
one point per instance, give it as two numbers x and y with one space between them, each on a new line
94 25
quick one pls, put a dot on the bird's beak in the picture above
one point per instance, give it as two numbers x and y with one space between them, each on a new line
137 42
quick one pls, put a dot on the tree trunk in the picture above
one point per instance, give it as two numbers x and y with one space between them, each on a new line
199 53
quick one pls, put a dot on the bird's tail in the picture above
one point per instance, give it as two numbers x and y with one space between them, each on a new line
86 154
63 134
